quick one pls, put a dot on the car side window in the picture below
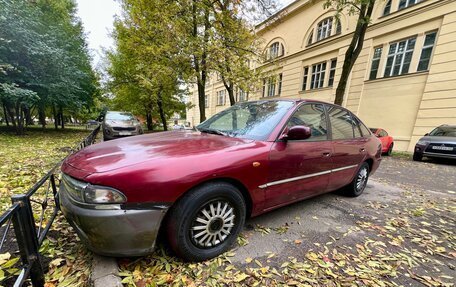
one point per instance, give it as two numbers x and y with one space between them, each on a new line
383 133
366 132
312 116
356 127
341 124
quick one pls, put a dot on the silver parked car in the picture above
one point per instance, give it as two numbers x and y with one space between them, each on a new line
440 143
120 124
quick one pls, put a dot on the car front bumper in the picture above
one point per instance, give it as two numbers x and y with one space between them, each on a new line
424 150
113 232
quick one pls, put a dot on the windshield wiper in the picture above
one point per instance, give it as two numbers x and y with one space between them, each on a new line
213 131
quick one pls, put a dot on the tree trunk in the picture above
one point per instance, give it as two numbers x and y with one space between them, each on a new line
28 115
150 126
62 121
202 101
6 115
161 111
42 116
19 119
56 118
353 51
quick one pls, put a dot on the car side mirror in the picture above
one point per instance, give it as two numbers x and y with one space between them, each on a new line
296 133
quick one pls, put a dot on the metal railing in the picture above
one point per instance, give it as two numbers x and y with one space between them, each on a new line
27 234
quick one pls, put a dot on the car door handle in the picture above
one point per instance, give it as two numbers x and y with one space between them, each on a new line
362 149
327 154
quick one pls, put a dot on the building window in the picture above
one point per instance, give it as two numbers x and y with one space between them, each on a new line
399 57
318 75
242 95
221 98
310 39
375 63
264 88
406 3
324 29
280 84
276 50
426 52
332 72
271 87
304 78
206 101
387 8
338 27
219 77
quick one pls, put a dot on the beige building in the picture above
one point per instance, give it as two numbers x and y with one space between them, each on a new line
403 81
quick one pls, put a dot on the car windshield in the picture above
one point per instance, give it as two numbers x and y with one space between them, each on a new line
374 130
444 132
119 116
251 120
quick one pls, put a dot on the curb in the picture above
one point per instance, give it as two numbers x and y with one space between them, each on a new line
105 272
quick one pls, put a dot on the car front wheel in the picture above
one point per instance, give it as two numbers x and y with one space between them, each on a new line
205 222
390 149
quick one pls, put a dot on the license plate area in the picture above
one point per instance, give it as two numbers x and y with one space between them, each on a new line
446 148
124 133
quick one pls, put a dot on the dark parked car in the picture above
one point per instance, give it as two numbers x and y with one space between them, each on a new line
439 143
120 124
198 187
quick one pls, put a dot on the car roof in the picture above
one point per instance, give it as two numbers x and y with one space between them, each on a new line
448 126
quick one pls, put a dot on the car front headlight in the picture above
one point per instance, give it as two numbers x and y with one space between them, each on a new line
422 142
102 194
94 194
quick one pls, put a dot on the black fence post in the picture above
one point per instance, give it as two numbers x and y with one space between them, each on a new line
24 227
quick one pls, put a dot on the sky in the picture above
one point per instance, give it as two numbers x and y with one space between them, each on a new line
97 17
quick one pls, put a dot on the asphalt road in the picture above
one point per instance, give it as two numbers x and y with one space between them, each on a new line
408 208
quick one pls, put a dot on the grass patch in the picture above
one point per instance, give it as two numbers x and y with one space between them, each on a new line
23 161
402 154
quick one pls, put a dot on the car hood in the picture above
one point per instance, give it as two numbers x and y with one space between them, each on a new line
439 139
111 155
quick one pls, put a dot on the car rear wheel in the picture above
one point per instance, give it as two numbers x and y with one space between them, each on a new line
357 186
206 221
417 156
390 150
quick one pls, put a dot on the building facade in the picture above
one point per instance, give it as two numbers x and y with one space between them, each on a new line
404 79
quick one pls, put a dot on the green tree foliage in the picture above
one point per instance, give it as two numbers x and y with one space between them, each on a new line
146 67
44 61
362 8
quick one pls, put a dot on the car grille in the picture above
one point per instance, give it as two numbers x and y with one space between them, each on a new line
440 151
121 129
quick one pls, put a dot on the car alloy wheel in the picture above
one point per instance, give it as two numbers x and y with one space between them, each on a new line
205 222
361 179
213 224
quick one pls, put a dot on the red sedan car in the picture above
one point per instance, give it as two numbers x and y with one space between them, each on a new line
387 140
198 187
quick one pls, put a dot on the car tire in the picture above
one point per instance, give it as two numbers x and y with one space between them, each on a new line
417 156
201 224
390 150
359 182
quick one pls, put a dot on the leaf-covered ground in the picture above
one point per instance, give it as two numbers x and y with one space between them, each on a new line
23 161
396 234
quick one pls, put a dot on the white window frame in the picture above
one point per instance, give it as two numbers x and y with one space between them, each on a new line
242 95
221 99
397 53
376 59
305 78
274 50
428 46
206 101
332 71
324 28
318 76
407 3
271 87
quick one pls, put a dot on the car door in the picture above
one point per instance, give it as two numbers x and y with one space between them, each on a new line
348 146
300 169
